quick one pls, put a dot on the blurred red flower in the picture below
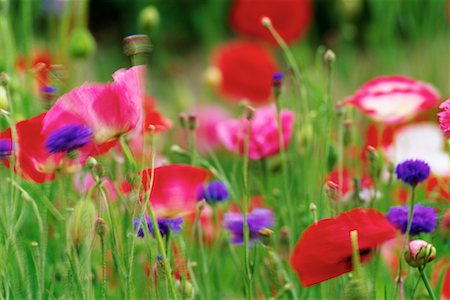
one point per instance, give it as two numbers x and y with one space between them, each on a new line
174 191
291 18
324 250
153 117
246 71
40 62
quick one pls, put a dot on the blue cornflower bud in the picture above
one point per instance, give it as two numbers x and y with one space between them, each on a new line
68 138
412 171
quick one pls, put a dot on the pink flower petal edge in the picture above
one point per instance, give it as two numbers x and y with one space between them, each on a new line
110 109
394 99
444 118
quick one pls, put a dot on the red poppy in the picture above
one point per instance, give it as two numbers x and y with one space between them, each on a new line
246 71
174 190
154 117
348 187
324 250
40 61
446 286
291 18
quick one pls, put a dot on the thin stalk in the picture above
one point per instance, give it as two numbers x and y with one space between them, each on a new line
426 282
248 278
102 248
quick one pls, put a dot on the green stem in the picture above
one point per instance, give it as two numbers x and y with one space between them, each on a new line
128 155
248 275
102 246
410 216
426 282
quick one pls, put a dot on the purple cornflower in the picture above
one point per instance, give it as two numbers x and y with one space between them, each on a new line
412 171
165 226
257 220
68 138
424 218
213 192
5 148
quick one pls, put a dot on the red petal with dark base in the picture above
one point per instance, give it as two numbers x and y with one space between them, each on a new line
324 250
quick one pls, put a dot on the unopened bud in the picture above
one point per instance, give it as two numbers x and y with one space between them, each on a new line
91 162
419 253
81 222
34 244
186 289
212 77
100 227
82 43
329 56
4 79
356 289
201 205
266 22
192 121
249 112
3 98
183 119
148 19
332 190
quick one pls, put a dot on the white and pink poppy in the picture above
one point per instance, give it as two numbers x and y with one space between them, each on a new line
394 99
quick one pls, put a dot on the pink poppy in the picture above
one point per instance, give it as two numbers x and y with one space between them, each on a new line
174 190
444 118
110 110
206 133
246 71
264 139
394 99
291 18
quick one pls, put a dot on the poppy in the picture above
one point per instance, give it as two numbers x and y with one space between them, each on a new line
291 18
174 191
264 139
246 70
394 99
444 118
324 249
110 110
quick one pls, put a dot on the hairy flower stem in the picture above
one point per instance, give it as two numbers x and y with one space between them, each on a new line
287 194
292 64
102 248
426 282
248 274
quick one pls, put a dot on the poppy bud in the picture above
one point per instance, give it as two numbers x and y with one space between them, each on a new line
266 22
183 119
192 121
100 227
4 79
249 113
212 77
419 253
82 43
376 163
186 289
136 46
91 162
148 19
3 98
356 289
332 190
81 222
329 57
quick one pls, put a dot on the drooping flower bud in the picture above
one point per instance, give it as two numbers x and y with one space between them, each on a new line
81 222
329 57
137 47
100 227
192 121
419 253
82 43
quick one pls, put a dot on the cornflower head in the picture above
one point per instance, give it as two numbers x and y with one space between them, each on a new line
212 192
68 138
424 218
412 171
165 226
257 220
